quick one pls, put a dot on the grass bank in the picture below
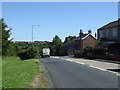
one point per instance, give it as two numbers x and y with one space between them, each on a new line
0 72
18 73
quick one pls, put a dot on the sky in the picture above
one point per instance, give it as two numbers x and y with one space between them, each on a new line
56 18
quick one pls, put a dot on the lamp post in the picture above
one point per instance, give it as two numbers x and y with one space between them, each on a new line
32 30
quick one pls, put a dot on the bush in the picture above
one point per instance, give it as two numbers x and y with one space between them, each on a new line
70 52
29 53
79 54
99 50
88 52
88 49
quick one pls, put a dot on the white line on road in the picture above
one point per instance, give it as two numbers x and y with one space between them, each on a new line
80 62
118 74
61 58
69 60
54 57
97 68
75 61
84 64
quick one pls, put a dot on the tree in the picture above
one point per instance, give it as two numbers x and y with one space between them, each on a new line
69 38
55 45
56 41
5 37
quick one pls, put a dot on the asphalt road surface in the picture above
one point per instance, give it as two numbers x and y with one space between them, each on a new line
66 74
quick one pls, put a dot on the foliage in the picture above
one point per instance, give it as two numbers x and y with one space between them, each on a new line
69 38
113 48
52 50
70 52
24 50
88 49
98 42
28 53
12 50
17 73
5 37
99 50
56 43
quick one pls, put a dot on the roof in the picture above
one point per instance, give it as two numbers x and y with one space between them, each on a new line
78 38
87 36
111 24
84 35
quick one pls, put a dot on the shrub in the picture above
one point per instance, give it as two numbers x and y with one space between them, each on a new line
88 49
29 53
70 52
99 50
88 52
79 54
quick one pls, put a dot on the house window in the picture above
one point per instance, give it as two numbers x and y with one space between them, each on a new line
101 34
114 32
107 32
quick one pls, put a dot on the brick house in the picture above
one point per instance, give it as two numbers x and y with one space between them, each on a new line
109 33
78 44
109 36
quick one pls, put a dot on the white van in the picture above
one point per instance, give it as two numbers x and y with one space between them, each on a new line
45 52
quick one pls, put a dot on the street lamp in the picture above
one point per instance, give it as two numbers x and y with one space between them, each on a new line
32 30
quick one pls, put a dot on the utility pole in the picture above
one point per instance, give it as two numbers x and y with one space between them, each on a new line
32 30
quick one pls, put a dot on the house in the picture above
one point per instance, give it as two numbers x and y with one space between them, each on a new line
78 43
109 36
109 33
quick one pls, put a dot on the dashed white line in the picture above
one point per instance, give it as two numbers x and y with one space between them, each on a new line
117 74
69 60
54 57
80 63
74 61
97 68
84 64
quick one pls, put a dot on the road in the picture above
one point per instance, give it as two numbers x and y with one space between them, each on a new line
66 74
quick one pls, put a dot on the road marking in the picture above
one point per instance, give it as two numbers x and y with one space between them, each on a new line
114 73
75 61
97 68
69 60
54 57
88 65
117 74
80 62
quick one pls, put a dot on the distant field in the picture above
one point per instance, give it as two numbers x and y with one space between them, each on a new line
18 73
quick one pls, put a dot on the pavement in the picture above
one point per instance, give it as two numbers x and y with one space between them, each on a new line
67 72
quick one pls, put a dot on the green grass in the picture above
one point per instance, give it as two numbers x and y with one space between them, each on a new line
0 72
18 73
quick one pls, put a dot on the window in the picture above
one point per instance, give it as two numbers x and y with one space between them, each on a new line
114 33
101 34
107 32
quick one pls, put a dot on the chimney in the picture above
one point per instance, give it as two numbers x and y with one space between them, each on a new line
80 34
89 31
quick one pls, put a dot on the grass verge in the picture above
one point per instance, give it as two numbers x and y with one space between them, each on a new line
18 73
0 72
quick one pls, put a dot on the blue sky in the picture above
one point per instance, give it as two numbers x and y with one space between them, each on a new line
56 18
